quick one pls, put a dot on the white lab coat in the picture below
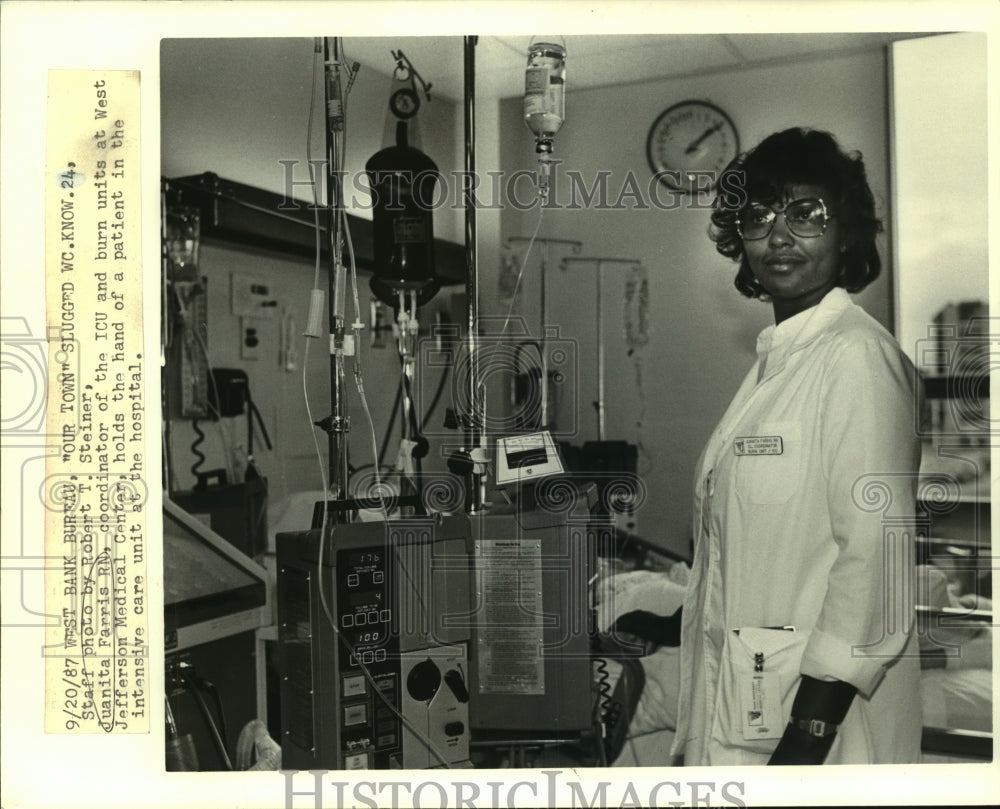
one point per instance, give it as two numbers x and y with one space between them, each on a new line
814 531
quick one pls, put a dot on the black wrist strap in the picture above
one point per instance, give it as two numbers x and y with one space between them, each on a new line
814 727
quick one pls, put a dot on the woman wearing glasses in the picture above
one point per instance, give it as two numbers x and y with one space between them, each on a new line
797 625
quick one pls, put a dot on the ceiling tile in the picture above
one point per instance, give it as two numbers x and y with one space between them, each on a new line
758 48
598 61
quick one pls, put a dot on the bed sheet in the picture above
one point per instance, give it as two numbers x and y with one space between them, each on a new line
651 730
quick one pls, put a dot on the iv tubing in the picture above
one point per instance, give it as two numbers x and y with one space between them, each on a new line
544 313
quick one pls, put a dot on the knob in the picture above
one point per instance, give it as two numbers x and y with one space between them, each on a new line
424 680
453 679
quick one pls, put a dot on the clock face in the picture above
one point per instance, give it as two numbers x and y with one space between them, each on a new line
690 144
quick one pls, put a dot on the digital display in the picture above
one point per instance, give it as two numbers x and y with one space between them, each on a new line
362 599
523 458
526 457
362 560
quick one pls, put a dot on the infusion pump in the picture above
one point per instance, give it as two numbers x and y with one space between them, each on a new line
373 638
405 642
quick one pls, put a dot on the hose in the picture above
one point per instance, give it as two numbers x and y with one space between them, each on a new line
206 714
256 742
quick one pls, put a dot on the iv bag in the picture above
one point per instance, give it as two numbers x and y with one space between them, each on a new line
402 179
545 90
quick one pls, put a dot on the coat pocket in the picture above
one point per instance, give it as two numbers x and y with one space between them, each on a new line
759 678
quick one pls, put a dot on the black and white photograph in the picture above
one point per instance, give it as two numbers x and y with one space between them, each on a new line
524 405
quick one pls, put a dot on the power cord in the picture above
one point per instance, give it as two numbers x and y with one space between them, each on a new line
194 685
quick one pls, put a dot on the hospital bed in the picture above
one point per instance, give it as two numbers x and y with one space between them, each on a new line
954 629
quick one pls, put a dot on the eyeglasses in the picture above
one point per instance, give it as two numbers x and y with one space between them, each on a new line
804 217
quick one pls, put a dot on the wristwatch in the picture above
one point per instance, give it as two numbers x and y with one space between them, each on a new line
815 727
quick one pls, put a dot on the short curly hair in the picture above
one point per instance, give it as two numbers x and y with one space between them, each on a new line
797 157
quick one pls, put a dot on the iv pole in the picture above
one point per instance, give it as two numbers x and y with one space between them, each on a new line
475 423
600 262
339 425
544 421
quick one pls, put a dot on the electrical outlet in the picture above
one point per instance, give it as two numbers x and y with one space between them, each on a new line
252 297
250 338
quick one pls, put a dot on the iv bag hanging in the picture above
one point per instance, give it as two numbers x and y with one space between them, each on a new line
545 90
402 180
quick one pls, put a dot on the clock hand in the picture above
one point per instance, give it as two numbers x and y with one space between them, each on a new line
693 147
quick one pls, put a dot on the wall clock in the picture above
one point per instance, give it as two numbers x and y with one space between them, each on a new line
689 145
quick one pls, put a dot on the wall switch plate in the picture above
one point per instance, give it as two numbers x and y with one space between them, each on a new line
252 297
250 338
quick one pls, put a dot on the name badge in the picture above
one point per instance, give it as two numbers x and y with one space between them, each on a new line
758 445
760 696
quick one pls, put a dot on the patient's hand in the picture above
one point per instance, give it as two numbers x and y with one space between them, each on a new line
659 629
974 601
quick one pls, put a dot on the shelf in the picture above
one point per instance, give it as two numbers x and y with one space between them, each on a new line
241 215
961 743
959 617
963 548
959 500
973 386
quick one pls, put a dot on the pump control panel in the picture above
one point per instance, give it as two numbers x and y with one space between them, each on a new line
369 728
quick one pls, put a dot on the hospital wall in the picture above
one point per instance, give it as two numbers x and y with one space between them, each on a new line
668 395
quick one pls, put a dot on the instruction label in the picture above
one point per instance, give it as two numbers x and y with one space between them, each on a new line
509 584
96 486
